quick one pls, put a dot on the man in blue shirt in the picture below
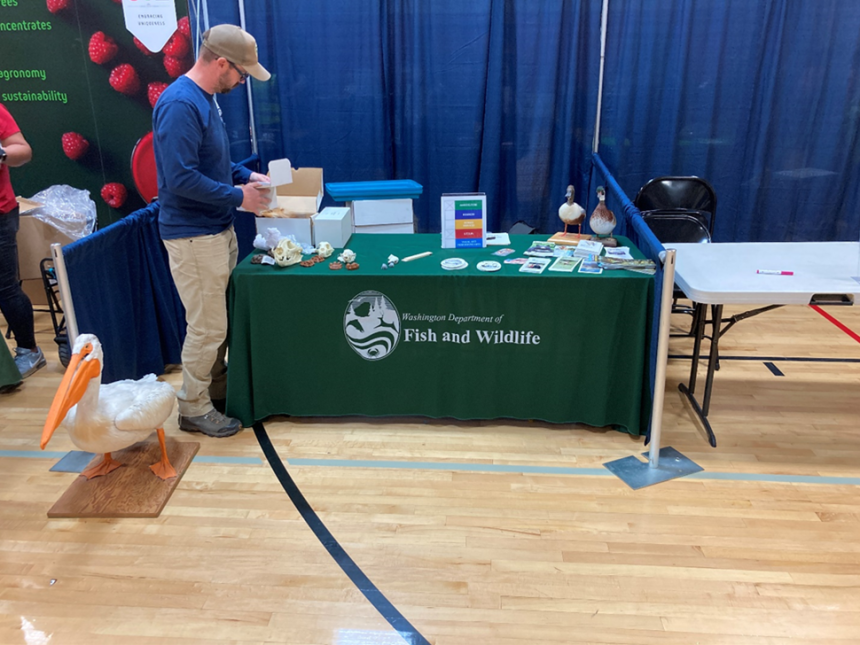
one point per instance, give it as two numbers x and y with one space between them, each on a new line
198 194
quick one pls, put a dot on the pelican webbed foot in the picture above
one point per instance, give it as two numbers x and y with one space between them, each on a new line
105 466
163 469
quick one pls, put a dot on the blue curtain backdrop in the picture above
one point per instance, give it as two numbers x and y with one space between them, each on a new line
234 106
490 95
761 98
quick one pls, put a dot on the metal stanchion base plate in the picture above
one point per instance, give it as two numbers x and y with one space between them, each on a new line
638 474
74 462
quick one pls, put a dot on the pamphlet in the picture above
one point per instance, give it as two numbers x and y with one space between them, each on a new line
622 252
639 266
541 249
535 265
503 252
516 260
587 247
565 263
591 264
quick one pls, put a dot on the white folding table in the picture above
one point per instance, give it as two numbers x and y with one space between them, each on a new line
770 274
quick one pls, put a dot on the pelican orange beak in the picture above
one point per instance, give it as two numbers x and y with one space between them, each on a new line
72 388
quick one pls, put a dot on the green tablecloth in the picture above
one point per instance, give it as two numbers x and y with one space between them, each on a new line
416 339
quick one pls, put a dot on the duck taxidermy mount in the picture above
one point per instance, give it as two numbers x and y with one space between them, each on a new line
603 220
571 213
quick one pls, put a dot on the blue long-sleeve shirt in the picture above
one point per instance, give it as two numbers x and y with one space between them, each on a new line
192 157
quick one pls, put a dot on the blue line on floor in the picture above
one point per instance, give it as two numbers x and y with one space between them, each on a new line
199 459
476 468
376 598
249 461
790 359
443 465
773 368
782 479
554 470
32 454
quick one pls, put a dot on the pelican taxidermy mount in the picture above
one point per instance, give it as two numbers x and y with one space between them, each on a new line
105 418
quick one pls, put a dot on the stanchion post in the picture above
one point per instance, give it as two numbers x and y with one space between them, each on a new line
65 292
662 356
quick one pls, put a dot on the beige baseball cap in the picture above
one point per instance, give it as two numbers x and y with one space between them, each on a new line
237 46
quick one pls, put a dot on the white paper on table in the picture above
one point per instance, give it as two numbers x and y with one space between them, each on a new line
498 239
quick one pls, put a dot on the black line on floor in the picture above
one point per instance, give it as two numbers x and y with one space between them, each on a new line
336 551
773 368
790 359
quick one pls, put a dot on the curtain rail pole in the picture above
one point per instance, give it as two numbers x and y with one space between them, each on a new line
251 123
604 18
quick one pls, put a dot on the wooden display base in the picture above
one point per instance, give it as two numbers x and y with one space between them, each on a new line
610 241
569 239
130 491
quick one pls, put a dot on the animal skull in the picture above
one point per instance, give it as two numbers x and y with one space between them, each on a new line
347 257
287 252
325 249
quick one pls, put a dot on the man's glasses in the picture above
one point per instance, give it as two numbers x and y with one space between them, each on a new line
242 75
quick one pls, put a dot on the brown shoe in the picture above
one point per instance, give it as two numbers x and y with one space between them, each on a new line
212 424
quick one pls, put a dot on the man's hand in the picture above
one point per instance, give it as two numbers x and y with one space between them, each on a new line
255 176
256 197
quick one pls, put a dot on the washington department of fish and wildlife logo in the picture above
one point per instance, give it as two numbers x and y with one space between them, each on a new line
371 325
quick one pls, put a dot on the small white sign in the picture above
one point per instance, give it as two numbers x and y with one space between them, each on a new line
152 22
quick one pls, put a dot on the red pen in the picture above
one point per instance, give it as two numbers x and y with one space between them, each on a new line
772 272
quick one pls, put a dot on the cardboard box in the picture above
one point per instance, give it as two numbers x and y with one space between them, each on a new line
300 200
374 212
304 195
386 228
26 205
34 243
333 225
35 290
300 227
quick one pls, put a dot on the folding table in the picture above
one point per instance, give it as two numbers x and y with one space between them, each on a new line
768 274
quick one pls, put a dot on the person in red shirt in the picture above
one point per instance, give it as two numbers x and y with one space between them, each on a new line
14 303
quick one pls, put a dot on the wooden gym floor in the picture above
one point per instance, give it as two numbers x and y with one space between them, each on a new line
471 531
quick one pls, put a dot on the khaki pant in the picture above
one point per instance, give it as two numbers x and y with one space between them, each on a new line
201 268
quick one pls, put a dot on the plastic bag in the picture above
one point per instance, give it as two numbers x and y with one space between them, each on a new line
69 210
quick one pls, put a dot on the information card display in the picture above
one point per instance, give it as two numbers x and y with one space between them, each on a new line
464 221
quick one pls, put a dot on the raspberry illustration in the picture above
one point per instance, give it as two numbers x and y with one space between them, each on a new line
102 48
56 6
176 66
142 47
74 145
124 79
184 27
153 91
114 194
178 46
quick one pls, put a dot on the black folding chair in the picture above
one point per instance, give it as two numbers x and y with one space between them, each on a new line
689 193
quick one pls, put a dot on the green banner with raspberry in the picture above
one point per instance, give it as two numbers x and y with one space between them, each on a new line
81 89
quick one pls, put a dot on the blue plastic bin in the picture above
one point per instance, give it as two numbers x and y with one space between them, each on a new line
349 191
